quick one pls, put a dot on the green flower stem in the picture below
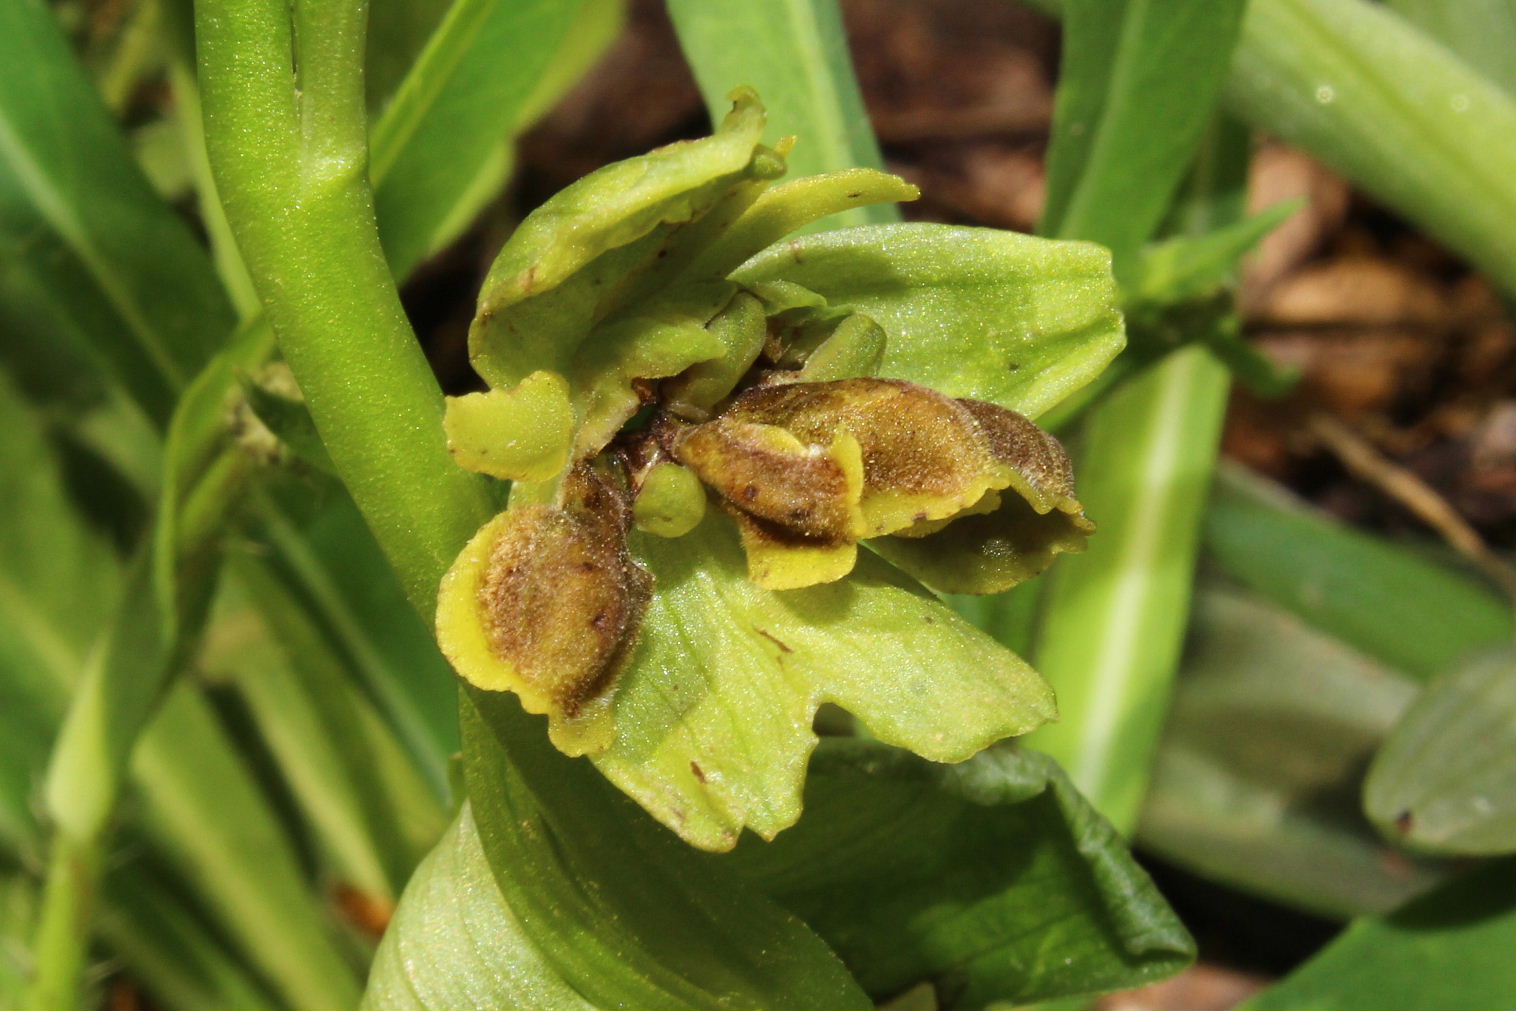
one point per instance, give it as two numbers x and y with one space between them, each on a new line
63 926
1115 616
291 165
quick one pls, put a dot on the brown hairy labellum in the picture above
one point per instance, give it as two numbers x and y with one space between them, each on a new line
546 602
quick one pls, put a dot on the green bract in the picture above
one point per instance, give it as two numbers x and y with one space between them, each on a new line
655 347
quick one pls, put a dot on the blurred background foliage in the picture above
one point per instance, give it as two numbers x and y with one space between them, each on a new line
226 737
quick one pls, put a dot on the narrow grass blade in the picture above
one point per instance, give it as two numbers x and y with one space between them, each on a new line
1135 93
1383 599
75 205
1114 617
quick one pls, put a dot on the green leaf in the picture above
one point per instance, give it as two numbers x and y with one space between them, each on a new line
794 52
1135 94
1445 781
397 31
1449 950
660 927
993 879
1391 109
173 948
1114 618
713 713
74 204
58 581
366 800
1380 598
202 806
1476 30
971 312
440 149
1193 265
332 566
1256 781
455 944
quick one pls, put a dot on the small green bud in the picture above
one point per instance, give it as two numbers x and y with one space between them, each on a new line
670 501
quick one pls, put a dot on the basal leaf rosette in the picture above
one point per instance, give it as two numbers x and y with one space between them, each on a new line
740 460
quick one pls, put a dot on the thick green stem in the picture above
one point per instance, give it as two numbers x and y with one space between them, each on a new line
291 167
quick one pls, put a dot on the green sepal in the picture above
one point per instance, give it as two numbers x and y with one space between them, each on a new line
558 274
971 312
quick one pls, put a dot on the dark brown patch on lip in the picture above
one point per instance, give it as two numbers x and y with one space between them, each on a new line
561 598
697 770
1403 822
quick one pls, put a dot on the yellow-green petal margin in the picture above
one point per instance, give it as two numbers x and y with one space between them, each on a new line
520 434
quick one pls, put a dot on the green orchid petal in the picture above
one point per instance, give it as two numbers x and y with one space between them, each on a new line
713 712
793 205
605 373
854 348
522 434
545 602
742 329
972 312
